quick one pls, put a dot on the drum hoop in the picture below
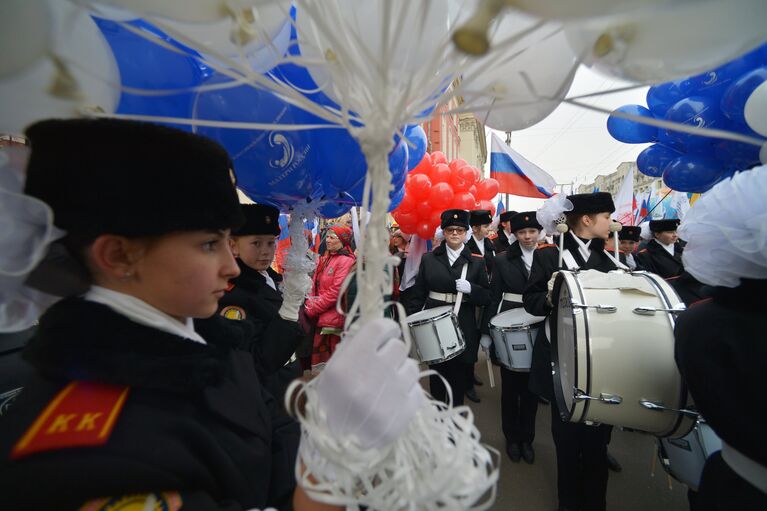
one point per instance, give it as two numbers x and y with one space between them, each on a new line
564 412
420 322
587 335
683 387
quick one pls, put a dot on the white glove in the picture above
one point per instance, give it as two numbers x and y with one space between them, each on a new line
295 286
486 341
463 286
550 286
369 388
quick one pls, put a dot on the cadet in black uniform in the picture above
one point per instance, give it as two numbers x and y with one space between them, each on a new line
132 401
512 270
628 237
720 342
504 239
479 244
581 449
438 281
663 256
254 296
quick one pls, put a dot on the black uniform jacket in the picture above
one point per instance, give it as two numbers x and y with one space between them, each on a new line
509 276
489 252
195 419
545 263
655 259
436 274
722 355
250 297
13 369
502 242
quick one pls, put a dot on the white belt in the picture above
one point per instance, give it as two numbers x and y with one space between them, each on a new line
293 358
745 467
443 297
512 297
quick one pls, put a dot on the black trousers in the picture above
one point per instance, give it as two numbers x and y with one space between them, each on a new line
722 489
454 371
581 463
518 407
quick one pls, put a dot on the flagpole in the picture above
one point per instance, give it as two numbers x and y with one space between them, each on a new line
656 205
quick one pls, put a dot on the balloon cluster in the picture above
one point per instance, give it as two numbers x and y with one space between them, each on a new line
732 97
435 185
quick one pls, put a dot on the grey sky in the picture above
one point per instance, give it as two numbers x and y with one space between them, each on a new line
572 144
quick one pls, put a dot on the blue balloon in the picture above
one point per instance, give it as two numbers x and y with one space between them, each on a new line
632 132
396 198
660 97
692 173
146 65
695 111
714 83
653 160
417 137
736 155
334 209
734 99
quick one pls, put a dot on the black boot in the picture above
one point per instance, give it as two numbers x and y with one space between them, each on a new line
613 464
528 453
512 449
472 395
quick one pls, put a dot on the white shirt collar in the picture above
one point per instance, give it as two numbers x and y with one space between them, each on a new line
269 280
142 313
669 248
583 247
630 262
452 255
480 244
527 257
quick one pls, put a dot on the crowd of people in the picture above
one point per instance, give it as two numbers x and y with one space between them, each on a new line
160 375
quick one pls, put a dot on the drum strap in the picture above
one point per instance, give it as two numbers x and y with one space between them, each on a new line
573 265
459 297
745 467
509 297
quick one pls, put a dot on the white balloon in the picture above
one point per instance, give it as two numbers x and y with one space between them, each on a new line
24 34
755 111
564 9
77 40
355 29
526 87
763 154
680 41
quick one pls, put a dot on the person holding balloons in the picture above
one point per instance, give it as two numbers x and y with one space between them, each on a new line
440 278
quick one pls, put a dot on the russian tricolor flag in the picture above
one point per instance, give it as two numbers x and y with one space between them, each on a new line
516 175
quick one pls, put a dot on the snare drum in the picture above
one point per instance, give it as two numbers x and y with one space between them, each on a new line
436 335
513 334
612 349
684 458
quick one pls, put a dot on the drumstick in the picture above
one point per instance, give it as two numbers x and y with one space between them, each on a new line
615 228
490 373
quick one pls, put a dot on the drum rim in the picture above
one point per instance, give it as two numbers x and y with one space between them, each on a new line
674 431
419 322
565 412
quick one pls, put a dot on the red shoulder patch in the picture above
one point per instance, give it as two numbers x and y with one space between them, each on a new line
642 251
701 301
477 255
82 414
544 245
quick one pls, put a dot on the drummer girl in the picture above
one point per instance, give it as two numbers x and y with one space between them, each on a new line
132 401
581 449
511 273
440 278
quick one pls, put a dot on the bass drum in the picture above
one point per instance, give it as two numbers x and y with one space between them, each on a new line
684 458
612 347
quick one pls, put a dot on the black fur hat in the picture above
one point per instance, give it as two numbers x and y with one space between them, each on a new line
664 225
455 217
259 219
590 203
130 178
506 216
525 220
630 233
480 217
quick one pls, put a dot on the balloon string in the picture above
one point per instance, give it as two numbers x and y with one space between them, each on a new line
656 205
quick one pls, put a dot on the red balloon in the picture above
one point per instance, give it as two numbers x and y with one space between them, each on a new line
423 210
419 186
488 205
436 217
487 188
410 218
425 230
438 157
477 174
457 164
407 205
464 200
473 190
440 196
423 167
440 173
